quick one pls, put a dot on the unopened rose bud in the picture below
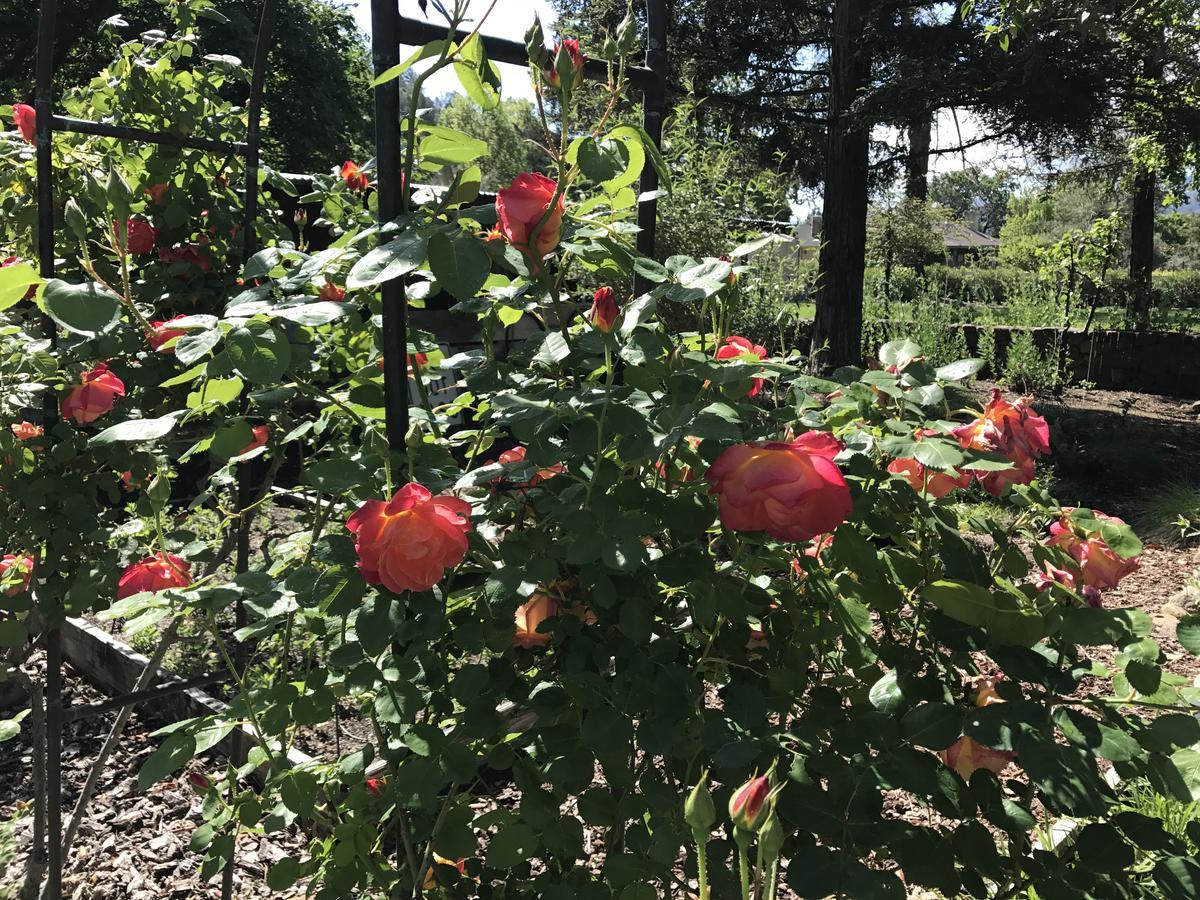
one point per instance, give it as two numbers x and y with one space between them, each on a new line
199 781
535 45
376 786
627 33
699 811
301 217
770 839
748 805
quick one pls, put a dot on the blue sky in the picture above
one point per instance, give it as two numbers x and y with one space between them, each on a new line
508 19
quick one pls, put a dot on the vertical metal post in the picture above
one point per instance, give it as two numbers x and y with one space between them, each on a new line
654 102
385 53
44 105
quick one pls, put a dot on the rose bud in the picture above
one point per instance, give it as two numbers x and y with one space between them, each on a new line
262 434
140 236
748 804
26 431
154 573
25 118
604 311
408 542
158 191
376 786
567 57
699 811
792 491
520 208
198 780
161 334
94 397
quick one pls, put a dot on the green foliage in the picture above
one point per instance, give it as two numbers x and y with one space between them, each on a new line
317 94
1171 514
510 131
905 235
1039 218
972 195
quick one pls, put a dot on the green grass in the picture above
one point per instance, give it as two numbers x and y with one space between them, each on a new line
1170 514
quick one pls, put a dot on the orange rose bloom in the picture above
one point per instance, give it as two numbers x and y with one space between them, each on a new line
521 207
966 755
22 565
162 333
354 177
1012 430
737 347
937 484
94 397
431 880
155 573
25 431
529 616
408 542
517 454
330 291
793 491
1101 567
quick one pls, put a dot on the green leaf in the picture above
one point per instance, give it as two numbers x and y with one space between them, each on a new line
885 693
1179 878
15 281
10 728
478 76
321 312
1187 632
1102 849
655 156
602 160
194 346
899 353
433 48
934 726
1000 613
82 308
135 430
399 256
459 263
259 351
283 874
937 454
451 148
221 391
170 757
511 845
12 633
335 476
1088 626
958 370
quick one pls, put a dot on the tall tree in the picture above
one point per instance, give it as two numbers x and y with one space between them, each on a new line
317 94
510 130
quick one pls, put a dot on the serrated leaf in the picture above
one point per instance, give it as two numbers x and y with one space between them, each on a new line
135 430
399 256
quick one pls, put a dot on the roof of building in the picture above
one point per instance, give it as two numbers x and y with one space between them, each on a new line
957 236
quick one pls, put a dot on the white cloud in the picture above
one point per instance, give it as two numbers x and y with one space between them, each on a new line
508 19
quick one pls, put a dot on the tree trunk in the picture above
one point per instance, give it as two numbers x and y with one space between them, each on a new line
837 329
916 167
1141 247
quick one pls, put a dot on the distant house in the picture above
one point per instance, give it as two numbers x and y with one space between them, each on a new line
964 244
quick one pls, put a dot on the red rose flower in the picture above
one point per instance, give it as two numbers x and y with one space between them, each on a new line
793 491
25 118
1101 567
517 454
162 333
577 60
330 291
354 177
604 311
198 780
261 434
186 254
521 207
1012 430
158 191
140 235
94 397
408 542
376 786
12 565
736 347
26 431
154 573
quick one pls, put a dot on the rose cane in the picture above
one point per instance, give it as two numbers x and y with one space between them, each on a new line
701 815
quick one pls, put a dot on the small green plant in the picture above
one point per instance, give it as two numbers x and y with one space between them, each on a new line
1171 514
8 853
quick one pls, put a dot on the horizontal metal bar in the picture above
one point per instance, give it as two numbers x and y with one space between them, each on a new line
166 690
416 32
132 133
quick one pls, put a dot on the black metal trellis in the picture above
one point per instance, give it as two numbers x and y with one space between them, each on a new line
388 27
47 124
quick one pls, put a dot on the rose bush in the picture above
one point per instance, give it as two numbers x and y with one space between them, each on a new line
617 579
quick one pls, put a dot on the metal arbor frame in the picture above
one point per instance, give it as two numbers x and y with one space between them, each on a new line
52 853
388 30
